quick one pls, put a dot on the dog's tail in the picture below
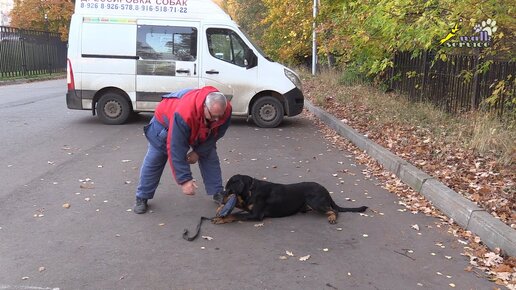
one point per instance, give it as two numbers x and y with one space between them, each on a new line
347 209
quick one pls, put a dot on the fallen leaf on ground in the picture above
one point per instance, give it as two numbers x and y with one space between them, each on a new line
492 259
304 258
87 186
503 268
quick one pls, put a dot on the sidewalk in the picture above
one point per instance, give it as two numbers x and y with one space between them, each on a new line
29 80
493 232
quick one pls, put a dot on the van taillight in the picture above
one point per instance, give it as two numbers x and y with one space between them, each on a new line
69 76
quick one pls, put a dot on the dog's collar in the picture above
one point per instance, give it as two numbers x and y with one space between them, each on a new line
252 185
249 192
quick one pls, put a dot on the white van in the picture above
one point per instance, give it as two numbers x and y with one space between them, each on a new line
123 55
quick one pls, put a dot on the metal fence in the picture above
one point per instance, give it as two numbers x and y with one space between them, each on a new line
454 85
28 52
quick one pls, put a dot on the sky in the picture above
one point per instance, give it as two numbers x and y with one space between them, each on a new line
5 7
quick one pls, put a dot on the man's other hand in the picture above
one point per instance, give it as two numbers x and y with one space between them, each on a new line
192 157
189 187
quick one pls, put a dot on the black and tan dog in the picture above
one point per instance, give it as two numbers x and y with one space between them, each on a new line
259 199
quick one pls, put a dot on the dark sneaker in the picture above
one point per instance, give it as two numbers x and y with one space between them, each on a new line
140 206
218 197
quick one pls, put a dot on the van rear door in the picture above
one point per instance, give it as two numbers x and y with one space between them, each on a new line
167 59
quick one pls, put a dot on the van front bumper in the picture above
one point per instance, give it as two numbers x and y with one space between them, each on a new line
294 102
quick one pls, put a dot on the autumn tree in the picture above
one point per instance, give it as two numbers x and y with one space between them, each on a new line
367 33
249 15
289 30
333 39
30 14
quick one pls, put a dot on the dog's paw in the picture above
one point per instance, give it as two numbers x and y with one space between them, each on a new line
218 220
332 220
224 220
219 208
332 217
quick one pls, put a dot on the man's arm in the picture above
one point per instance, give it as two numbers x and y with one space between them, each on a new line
178 146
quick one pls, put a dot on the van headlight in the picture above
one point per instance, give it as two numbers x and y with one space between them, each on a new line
293 78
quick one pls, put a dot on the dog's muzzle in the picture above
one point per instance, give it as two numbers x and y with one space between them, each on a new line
228 207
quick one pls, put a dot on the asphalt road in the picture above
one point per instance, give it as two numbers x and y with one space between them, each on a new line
51 156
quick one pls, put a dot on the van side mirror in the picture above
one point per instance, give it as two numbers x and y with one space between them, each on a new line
250 59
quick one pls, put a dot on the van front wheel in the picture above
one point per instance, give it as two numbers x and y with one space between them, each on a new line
267 112
113 109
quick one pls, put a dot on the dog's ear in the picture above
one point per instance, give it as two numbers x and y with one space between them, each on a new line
237 184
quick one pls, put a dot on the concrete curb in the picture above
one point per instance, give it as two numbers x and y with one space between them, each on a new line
464 212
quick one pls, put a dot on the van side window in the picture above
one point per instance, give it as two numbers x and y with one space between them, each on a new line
166 43
226 45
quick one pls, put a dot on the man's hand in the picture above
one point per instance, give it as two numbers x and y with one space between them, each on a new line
189 187
192 157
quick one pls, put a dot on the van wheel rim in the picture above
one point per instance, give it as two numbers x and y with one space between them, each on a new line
267 112
113 109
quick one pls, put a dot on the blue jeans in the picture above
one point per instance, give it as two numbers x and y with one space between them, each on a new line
156 159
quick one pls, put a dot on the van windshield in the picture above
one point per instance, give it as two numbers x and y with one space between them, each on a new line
258 49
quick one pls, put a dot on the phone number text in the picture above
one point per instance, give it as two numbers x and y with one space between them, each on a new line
134 7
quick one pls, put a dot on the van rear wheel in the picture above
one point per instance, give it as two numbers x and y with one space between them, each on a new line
267 112
113 109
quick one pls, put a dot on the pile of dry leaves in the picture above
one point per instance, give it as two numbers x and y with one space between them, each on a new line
478 177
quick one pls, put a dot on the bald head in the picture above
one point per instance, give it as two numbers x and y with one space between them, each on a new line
216 104
216 98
